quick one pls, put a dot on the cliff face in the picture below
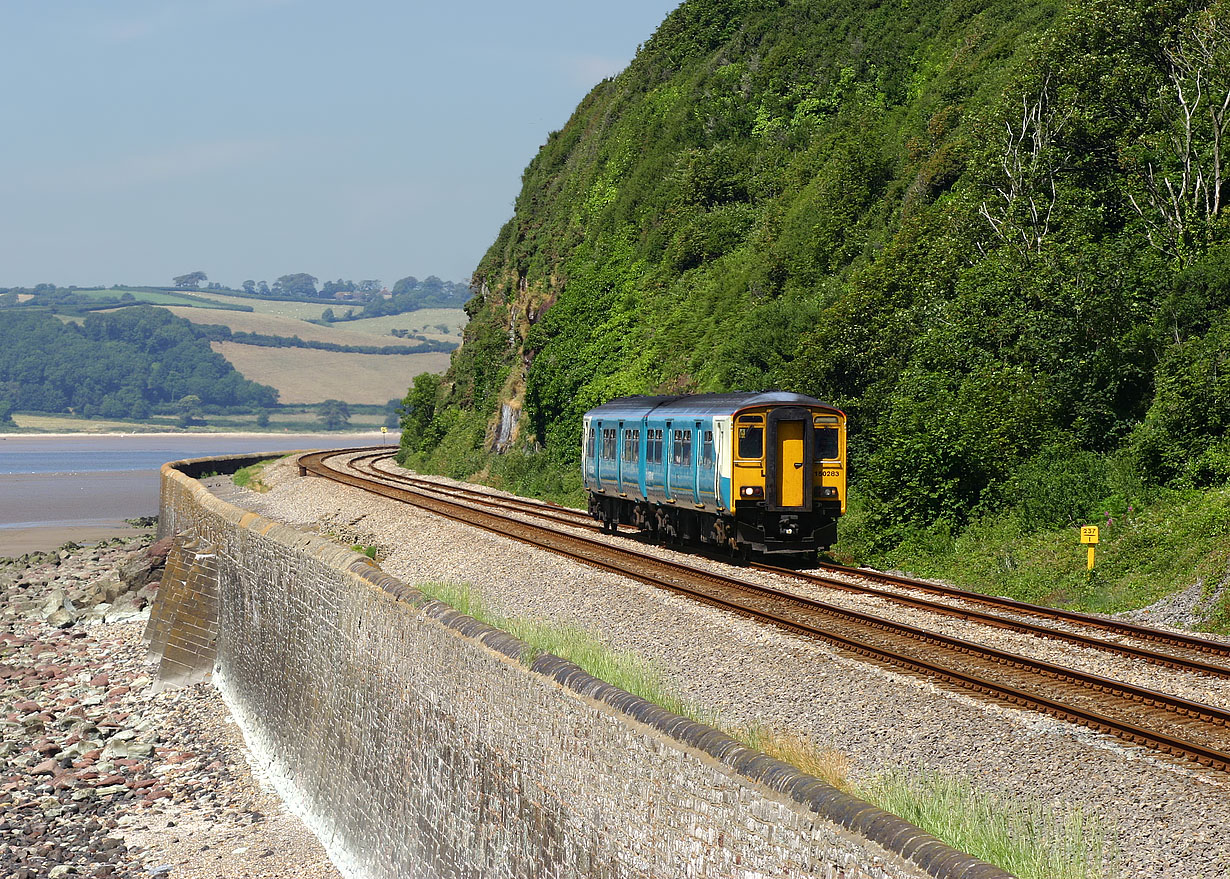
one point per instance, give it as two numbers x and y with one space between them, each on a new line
955 220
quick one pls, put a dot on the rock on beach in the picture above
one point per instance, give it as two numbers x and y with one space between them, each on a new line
100 776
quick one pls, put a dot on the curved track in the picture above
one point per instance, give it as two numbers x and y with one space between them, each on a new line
1190 730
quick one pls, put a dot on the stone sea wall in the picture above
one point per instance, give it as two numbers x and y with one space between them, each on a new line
419 742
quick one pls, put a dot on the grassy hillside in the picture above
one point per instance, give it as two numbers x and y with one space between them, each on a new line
989 231
303 375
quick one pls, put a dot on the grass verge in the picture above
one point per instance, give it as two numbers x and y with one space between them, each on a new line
1025 839
1174 540
1020 837
250 477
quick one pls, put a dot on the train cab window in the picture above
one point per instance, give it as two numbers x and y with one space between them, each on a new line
751 442
608 443
681 447
706 451
826 444
653 446
589 443
632 445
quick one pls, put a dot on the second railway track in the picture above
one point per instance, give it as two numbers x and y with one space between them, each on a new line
1187 729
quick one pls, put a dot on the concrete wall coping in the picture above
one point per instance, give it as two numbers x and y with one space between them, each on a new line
808 792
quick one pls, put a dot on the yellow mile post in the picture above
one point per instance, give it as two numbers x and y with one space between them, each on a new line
1089 535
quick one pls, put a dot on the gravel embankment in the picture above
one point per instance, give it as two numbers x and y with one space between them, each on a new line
103 776
1161 817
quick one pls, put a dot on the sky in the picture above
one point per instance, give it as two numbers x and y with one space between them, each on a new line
250 139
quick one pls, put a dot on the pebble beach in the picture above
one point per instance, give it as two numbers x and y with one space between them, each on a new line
103 774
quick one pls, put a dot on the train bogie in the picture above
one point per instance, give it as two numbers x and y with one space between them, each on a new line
750 472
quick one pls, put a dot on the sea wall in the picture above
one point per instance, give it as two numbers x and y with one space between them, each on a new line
418 742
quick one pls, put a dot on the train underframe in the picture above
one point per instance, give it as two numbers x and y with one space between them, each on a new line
753 529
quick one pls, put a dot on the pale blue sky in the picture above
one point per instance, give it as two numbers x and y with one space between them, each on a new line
141 139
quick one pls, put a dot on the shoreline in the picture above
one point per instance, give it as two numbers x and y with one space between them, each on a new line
30 539
213 433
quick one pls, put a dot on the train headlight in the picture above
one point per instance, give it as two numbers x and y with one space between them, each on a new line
827 491
752 491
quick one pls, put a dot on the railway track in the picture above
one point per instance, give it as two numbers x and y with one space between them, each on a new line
1177 650
1187 729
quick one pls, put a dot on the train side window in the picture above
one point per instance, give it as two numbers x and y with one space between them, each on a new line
682 447
751 443
589 444
632 445
653 446
706 450
827 446
608 443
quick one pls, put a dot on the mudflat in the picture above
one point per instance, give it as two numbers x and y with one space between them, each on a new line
56 488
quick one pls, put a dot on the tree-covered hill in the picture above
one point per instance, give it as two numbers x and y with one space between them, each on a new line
124 364
994 232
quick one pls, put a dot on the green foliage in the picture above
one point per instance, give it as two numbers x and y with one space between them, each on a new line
1025 839
117 365
250 477
420 431
298 284
938 216
333 414
1153 542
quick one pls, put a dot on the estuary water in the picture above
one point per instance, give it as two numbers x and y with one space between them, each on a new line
56 487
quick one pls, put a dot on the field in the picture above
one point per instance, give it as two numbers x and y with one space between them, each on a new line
425 322
293 421
303 375
154 298
295 310
71 424
277 325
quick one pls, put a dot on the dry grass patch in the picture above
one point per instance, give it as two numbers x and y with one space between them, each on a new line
302 375
274 325
296 310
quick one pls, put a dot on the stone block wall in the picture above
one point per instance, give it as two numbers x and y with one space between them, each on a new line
417 742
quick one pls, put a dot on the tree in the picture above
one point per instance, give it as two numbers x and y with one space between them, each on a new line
6 412
299 284
328 316
189 407
418 411
191 280
334 414
249 287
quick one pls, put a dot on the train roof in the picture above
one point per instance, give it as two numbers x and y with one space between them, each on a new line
700 404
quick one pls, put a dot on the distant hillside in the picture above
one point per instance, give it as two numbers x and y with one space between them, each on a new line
988 230
128 364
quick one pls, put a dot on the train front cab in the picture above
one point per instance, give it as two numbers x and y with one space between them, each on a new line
788 478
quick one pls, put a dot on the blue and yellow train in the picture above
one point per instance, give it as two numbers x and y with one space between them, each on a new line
761 473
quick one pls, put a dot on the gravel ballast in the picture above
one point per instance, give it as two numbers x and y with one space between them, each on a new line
1161 817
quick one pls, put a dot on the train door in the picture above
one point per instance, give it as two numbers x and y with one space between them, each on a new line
668 470
653 459
619 459
589 457
789 462
702 486
722 434
682 464
607 466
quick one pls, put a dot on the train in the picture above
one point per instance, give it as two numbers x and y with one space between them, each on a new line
747 473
